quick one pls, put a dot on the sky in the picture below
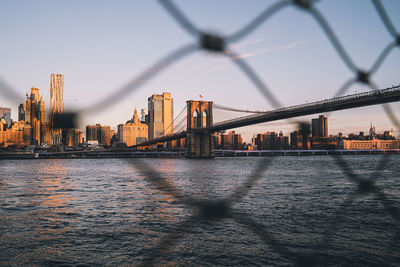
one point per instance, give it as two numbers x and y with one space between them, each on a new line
100 46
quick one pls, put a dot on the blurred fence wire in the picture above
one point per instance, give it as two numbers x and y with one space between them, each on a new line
216 210
221 209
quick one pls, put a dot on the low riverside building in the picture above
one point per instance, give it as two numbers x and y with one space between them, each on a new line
330 142
14 136
99 133
370 144
133 131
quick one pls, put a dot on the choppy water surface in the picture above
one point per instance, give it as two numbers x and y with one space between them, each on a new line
108 212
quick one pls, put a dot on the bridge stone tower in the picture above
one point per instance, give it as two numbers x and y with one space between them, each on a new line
199 144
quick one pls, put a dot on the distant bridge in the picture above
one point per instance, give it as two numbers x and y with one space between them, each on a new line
337 103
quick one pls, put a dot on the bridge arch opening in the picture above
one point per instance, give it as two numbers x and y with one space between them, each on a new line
204 119
196 119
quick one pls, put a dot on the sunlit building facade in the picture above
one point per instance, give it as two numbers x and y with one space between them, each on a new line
12 136
33 124
56 104
161 115
370 144
45 134
27 134
41 110
133 131
33 113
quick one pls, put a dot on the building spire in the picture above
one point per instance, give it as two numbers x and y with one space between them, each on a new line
135 117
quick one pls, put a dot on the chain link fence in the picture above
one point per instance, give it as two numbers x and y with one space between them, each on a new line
210 211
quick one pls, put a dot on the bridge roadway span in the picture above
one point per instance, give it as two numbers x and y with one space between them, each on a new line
370 98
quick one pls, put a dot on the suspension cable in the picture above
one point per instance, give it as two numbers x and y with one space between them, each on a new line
172 123
221 107
179 124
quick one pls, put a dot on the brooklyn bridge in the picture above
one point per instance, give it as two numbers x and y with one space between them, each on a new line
200 126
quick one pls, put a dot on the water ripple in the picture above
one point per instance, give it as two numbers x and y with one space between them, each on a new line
104 212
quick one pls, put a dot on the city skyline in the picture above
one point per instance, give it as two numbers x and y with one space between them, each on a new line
99 61
157 115
33 129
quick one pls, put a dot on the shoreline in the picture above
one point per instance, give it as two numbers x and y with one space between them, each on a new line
181 154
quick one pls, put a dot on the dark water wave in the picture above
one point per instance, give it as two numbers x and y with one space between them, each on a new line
106 212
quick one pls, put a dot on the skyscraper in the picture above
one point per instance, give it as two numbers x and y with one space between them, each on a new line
21 112
28 109
32 120
34 104
319 126
45 135
56 104
161 115
35 94
42 110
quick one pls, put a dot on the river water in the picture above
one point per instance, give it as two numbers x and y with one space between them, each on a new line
113 212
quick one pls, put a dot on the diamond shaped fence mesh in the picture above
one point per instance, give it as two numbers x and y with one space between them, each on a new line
210 211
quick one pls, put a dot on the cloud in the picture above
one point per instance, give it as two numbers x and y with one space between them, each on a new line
247 43
287 47
250 54
278 49
212 65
